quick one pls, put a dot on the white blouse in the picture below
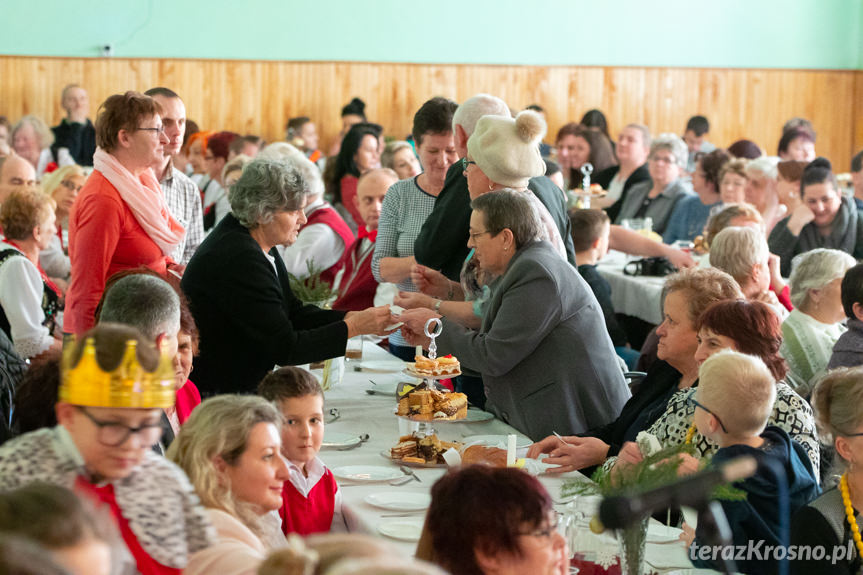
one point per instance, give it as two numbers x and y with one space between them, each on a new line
21 293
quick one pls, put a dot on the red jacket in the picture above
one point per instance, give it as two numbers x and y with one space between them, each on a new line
104 238
358 287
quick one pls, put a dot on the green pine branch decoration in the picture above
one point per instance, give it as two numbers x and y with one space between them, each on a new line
311 288
652 472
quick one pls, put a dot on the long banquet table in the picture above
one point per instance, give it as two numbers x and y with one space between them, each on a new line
373 414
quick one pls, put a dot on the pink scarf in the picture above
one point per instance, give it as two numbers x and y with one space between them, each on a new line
144 197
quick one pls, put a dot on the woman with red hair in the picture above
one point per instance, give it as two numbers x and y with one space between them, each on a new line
520 537
753 328
196 149
120 219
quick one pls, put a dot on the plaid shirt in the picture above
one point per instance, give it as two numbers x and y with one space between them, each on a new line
184 201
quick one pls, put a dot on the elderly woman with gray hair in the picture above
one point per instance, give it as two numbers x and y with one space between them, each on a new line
238 290
814 325
548 367
324 238
657 197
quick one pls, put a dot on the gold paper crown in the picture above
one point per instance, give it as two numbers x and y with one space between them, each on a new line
128 385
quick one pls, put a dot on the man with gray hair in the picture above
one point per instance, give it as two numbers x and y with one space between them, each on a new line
151 305
442 242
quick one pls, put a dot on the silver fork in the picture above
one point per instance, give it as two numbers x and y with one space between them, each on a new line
402 480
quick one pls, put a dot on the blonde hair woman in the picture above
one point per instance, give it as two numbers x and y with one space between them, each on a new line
230 447
63 186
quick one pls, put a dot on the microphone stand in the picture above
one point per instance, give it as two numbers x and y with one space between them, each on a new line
713 525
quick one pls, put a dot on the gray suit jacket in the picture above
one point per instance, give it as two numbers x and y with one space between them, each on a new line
544 353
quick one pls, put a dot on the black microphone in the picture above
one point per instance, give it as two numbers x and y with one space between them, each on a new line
694 491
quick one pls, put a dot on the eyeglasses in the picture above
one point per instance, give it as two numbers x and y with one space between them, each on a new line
852 435
113 433
544 532
465 163
71 186
694 402
474 236
160 130
664 160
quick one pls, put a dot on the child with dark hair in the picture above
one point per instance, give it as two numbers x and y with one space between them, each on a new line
77 537
311 500
695 136
590 231
848 349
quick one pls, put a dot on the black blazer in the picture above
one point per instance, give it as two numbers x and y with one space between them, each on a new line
247 316
658 382
442 241
604 178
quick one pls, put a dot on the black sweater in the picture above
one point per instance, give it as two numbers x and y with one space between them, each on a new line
247 316
442 242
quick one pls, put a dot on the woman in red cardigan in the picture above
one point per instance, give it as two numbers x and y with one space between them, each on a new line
120 219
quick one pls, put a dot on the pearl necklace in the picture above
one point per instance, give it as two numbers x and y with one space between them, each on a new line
849 514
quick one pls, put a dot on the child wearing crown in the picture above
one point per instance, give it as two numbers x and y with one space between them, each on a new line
113 387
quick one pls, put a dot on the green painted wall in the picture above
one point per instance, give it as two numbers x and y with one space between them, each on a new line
824 34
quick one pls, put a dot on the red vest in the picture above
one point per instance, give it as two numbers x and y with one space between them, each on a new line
105 496
330 217
312 514
358 287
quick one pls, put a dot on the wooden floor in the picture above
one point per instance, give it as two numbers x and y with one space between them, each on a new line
259 96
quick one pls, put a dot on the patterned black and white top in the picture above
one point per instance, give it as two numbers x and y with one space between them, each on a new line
791 413
156 499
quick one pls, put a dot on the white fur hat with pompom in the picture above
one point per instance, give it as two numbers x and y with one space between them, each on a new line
507 149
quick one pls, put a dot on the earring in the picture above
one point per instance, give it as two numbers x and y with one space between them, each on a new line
490 187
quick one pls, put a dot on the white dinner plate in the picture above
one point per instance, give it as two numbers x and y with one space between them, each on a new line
337 440
498 441
402 529
382 365
399 500
477 416
367 473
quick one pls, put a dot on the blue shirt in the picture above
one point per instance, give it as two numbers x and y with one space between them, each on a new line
687 220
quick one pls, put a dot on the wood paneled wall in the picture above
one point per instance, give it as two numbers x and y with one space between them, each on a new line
259 96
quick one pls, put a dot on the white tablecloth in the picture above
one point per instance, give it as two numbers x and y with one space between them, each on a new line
638 296
362 413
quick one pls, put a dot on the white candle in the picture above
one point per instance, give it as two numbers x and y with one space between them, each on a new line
419 351
510 450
